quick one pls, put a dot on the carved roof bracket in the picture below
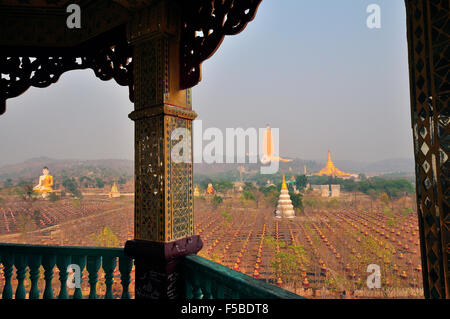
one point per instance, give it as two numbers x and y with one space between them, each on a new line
205 24
200 26
111 61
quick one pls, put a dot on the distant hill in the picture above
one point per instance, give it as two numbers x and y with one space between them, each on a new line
388 166
32 168
110 169
403 165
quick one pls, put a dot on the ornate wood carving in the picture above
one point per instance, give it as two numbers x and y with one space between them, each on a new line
205 24
429 61
20 73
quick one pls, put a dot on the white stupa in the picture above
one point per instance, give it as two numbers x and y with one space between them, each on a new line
285 209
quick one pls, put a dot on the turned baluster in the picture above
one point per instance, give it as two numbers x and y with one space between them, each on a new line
80 261
196 289
8 264
62 262
93 266
214 289
109 264
207 289
21 271
125 265
188 290
34 262
219 290
48 262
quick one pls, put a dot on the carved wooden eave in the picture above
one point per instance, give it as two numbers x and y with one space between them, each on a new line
205 25
36 46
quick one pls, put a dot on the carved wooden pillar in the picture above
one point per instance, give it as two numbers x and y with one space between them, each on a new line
164 225
429 52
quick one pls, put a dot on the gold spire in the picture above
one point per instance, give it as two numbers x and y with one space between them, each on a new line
114 191
114 188
331 170
284 186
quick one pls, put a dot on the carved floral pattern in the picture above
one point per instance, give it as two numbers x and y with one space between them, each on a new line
205 24
18 74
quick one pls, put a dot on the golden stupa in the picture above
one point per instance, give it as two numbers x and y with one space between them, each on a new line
114 193
196 192
210 190
331 170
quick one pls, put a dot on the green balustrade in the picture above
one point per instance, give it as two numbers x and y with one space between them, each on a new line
33 258
205 279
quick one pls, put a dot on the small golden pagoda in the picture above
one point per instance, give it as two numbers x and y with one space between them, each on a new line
114 193
331 170
210 190
196 192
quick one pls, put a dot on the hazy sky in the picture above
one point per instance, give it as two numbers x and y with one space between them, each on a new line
309 67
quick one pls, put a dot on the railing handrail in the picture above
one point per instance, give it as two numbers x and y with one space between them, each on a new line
245 285
61 250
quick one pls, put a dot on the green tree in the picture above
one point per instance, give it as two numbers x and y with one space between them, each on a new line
249 187
86 181
228 218
223 186
286 266
25 224
301 181
270 242
8 183
362 177
27 193
216 201
53 197
105 238
100 183
297 201
247 195
384 198
71 186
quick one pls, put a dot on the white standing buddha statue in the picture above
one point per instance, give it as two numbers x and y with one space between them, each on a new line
285 209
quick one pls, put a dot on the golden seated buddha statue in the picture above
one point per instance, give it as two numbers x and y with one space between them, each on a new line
45 183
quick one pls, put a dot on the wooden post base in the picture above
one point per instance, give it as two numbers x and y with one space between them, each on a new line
158 266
